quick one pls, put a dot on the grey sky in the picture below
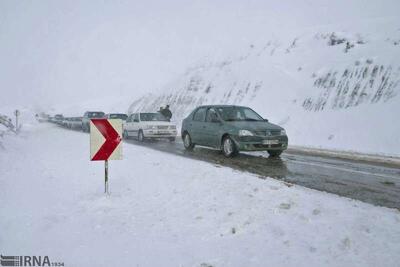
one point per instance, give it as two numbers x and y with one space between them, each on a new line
64 51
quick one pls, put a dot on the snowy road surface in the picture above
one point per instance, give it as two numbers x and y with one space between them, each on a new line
369 182
167 210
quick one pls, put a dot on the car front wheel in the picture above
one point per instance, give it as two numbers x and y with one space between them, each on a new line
140 136
228 147
187 142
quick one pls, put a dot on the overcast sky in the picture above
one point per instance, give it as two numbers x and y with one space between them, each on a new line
64 51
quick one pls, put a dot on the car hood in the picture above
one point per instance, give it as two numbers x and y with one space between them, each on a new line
254 125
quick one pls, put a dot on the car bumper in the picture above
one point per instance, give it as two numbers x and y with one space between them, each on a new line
261 143
159 133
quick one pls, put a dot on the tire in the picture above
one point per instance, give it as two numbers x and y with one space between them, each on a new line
140 136
187 142
228 147
275 153
125 135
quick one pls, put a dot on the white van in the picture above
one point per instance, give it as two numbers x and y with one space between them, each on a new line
149 126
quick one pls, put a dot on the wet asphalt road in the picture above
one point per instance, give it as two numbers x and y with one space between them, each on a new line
370 182
374 183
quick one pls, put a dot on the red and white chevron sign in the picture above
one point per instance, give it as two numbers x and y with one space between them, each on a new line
105 139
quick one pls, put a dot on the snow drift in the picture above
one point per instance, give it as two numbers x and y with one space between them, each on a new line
330 89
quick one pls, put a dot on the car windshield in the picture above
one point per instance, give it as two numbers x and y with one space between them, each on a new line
238 114
96 114
152 117
118 116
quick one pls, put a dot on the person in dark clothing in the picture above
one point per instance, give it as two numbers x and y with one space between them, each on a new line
166 112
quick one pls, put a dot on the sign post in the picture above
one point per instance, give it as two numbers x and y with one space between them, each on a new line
105 143
16 113
106 176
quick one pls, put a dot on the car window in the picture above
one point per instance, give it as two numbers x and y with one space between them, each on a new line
152 117
117 116
211 113
200 114
249 114
238 114
136 118
96 114
130 118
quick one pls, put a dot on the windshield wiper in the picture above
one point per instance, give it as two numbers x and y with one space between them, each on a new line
249 119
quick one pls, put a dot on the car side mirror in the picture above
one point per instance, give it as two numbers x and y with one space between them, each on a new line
135 120
266 120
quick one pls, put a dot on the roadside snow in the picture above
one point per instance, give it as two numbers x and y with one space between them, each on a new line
166 210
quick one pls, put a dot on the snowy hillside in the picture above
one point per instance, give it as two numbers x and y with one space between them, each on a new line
329 88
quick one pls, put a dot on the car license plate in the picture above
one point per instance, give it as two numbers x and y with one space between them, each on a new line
270 142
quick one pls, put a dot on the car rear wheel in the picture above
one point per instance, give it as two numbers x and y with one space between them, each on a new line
228 147
187 142
140 136
274 153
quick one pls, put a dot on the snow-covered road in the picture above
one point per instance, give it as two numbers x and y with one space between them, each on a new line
166 210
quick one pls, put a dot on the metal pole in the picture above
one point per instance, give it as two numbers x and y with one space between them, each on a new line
16 120
106 176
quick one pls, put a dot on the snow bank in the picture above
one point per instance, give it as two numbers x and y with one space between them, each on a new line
166 210
330 88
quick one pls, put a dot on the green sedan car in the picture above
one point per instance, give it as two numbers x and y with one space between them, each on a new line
232 129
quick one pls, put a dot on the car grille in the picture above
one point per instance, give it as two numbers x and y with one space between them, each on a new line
268 146
268 133
163 127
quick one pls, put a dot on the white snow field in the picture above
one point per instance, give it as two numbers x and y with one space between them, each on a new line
166 210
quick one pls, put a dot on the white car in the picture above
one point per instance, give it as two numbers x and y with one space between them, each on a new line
149 126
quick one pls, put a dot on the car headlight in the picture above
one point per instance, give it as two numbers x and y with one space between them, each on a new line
283 132
245 133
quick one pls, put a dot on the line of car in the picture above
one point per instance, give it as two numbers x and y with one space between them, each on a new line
228 128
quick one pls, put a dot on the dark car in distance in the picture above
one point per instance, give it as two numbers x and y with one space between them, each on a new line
232 129
121 116
88 116
58 118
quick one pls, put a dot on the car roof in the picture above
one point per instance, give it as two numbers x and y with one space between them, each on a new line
220 106
152 112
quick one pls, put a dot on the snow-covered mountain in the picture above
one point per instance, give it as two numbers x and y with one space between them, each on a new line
328 87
